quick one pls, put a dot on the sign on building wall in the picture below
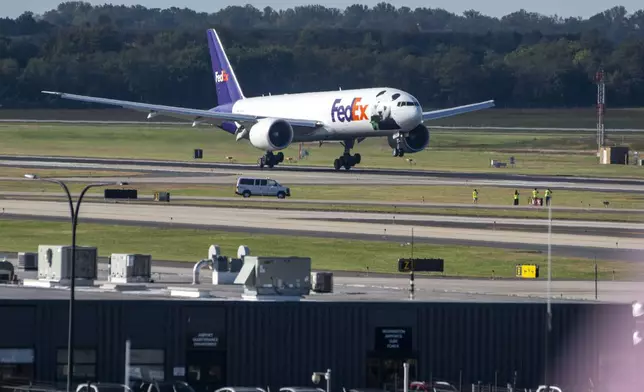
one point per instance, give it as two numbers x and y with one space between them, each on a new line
205 340
393 339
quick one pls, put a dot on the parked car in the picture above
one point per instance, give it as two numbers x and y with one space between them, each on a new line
435 386
248 186
241 389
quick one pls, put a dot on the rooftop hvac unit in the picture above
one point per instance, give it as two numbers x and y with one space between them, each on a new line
28 261
236 265
128 268
282 278
54 262
322 282
6 271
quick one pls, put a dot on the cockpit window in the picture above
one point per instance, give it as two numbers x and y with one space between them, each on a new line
407 103
395 96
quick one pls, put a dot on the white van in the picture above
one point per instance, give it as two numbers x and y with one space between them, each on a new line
248 187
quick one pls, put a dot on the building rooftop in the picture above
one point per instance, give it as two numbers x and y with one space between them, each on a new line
169 278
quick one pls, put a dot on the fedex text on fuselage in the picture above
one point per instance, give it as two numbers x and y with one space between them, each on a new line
352 112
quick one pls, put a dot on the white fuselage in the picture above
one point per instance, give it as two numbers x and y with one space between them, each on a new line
349 113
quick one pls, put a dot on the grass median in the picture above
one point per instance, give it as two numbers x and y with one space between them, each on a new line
535 152
191 245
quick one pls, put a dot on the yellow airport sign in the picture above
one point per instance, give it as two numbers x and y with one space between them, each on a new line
527 271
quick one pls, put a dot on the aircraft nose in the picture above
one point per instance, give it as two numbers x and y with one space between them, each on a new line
409 116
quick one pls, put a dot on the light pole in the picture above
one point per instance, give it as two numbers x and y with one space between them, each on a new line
74 216
548 301
327 376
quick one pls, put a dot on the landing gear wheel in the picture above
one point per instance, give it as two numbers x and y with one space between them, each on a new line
347 160
270 160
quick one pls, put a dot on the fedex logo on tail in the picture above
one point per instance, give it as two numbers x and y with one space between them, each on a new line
221 77
348 113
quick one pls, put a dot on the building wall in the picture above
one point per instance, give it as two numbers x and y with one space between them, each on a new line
281 344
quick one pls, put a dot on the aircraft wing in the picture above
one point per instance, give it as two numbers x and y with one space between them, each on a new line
436 114
209 116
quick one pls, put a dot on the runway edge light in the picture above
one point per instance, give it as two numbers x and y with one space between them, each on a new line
527 271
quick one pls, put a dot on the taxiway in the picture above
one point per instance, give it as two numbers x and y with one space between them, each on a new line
222 173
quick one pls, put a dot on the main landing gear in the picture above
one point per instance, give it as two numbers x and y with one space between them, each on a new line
398 150
347 160
269 159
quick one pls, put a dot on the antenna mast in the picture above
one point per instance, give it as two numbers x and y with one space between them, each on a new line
601 110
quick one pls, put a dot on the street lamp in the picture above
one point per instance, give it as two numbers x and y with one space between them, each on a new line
74 216
548 301
327 376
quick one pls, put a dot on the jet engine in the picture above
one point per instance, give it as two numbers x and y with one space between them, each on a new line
416 140
271 134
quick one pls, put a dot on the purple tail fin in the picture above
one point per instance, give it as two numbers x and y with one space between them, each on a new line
228 90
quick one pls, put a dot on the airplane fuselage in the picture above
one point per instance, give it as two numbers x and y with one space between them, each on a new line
344 113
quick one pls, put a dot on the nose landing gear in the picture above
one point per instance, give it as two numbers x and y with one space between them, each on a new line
269 159
347 160
398 150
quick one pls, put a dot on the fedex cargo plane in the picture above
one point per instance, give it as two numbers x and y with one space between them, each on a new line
274 122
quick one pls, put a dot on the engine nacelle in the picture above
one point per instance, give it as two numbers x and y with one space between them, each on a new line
271 134
416 140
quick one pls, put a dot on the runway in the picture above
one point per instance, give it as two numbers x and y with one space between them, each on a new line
612 245
227 176
322 176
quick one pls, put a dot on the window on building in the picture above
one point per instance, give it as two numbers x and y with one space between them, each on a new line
84 365
16 364
147 364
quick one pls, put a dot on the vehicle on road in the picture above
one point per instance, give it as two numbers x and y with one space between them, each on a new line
249 186
274 122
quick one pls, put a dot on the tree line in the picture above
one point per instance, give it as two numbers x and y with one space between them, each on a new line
135 53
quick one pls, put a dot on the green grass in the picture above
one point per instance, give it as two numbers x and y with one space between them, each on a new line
549 118
381 193
559 153
543 118
190 245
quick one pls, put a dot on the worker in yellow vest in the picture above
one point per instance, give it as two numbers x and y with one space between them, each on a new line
516 197
548 196
535 195
475 196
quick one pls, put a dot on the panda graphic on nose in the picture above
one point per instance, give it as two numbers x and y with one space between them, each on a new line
381 112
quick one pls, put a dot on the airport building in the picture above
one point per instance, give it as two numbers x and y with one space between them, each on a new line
218 342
